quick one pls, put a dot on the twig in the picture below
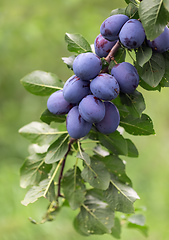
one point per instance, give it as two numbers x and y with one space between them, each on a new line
72 140
112 52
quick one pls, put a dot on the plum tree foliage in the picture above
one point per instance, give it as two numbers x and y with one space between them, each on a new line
90 111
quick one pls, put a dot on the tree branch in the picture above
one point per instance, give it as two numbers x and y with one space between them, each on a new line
112 52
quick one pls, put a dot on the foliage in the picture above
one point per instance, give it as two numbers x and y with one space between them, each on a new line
97 184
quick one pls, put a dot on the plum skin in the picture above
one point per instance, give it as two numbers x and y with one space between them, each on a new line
77 127
56 103
111 26
103 46
87 66
132 34
161 43
127 77
75 89
105 87
92 109
111 119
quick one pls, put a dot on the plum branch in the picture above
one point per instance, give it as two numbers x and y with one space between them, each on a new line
110 56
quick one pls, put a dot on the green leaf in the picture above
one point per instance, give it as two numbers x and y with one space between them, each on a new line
74 188
40 191
77 43
96 174
58 149
153 70
95 217
166 4
132 11
49 117
114 142
120 197
116 230
142 229
116 166
132 150
134 103
153 17
143 55
40 133
144 85
84 156
33 170
139 126
119 57
138 219
117 11
69 61
41 83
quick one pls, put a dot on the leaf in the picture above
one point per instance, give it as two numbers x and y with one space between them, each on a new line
49 117
153 17
77 43
96 174
142 229
74 188
58 149
134 103
132 150
166 4
154 70
33 170
132 11
119 57
116 230
69 61
40 133
138 219
95 217
39 191
84 156
114 142
120 197
41 83
117 11
143 55
139 126
116 167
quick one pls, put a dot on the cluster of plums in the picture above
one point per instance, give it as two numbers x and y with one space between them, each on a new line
87 96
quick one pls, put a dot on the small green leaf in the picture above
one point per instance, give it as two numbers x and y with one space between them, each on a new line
134 103
58 149
114 142
40 133
153 17
132 150
139 126
69 61
41 83
166 4
153 71
49 117
138 219
132 11
117 11
77 43
116 230
143 55
84 156
96 174
33 170
74 188
95 217
39 191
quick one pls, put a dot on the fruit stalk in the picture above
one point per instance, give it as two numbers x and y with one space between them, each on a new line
112 52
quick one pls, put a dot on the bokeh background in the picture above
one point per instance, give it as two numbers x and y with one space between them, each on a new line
32 38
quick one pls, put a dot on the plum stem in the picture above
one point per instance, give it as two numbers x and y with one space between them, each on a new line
110 56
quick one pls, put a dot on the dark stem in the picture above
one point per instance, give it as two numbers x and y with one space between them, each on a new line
72 140
110 56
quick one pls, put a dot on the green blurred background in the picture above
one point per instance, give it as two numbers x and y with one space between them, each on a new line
32 38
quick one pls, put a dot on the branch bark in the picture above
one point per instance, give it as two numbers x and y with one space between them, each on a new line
112 52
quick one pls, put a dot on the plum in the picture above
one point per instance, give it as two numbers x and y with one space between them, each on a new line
87 66
103 46
75 89
92 109
132 34
110 28
161 43
105 87
111 120
127 76
77 127
56 103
